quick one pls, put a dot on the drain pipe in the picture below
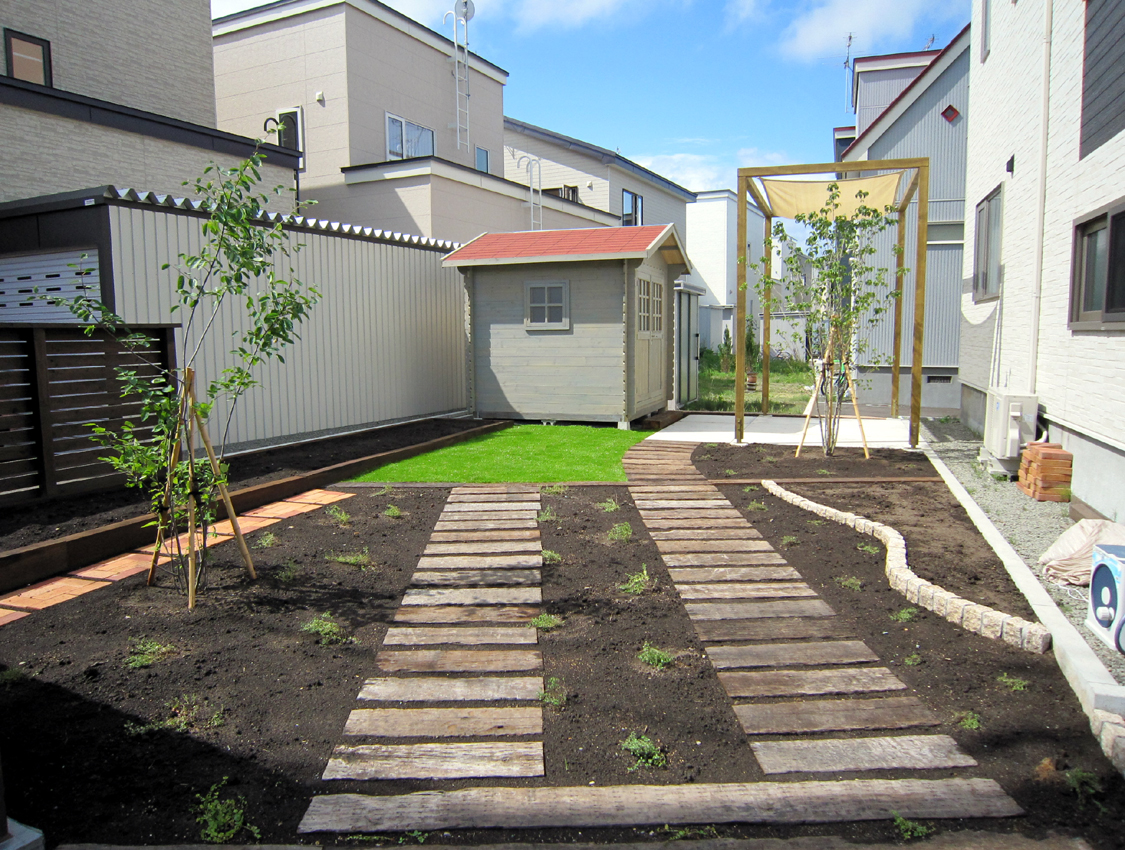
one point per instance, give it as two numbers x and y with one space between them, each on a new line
1041 211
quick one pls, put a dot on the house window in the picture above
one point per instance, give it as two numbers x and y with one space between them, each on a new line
482 160
632 209
406 140
547 305
289 129
1098 289
650 308
28 58
986 261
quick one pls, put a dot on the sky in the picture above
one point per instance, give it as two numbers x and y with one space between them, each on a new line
692 89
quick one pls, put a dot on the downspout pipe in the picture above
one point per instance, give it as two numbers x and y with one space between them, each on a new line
1041 201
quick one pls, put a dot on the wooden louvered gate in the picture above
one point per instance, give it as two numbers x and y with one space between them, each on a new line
54 381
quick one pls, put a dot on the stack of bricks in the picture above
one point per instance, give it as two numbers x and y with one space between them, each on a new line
1045 472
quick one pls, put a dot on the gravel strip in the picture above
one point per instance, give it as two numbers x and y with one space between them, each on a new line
1030 526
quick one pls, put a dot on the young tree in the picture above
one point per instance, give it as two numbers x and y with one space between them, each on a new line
237 266
844 294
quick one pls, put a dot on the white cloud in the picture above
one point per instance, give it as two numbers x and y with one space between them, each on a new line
708 172
756 157
822 31
739 11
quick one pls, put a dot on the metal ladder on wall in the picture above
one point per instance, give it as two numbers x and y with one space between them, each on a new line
463 12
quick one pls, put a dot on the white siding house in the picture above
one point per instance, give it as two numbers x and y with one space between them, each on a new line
1044 265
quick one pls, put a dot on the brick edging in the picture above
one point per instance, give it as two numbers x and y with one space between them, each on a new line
976 618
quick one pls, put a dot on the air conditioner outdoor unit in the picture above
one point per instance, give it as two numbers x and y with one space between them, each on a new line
1105 616
1008 423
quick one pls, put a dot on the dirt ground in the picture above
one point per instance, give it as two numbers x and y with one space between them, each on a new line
263 704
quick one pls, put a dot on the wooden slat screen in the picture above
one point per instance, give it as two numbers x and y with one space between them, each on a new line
54 382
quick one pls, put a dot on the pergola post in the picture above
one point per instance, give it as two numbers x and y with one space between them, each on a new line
900 260
740 318
919 302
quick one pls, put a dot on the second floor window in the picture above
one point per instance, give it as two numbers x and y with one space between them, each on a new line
28 58
986 262
482 160
632 209
406 140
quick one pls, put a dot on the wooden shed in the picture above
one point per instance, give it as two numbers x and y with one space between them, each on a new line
572 325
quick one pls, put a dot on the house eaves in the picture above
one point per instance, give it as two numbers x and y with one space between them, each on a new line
282 9
604 155
858 149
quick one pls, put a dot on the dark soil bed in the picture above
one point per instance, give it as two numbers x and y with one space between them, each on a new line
719 461
271 703
23 525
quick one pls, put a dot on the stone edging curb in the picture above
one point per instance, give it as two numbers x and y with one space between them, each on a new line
980 619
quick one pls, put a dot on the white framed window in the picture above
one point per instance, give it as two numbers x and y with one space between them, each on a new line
987 269
546 305
482 160
406 140
632 209
650 308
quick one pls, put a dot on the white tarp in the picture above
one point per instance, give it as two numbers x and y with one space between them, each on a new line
1070 559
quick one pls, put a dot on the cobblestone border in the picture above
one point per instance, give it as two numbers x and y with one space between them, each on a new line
979 619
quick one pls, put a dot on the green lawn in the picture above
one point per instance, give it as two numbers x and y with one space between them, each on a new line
522 453
788 393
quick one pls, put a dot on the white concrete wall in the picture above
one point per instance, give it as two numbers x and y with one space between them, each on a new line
152 55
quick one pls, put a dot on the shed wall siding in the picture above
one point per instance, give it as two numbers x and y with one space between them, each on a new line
573 374
386 341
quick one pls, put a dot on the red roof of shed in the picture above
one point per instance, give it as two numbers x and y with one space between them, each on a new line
599 243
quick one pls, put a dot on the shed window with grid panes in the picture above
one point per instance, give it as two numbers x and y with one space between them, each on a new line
547 305
650 308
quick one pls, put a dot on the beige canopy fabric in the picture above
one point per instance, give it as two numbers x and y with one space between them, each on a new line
788 198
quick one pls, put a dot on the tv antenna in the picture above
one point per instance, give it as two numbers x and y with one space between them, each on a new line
847 68
463 11
930 43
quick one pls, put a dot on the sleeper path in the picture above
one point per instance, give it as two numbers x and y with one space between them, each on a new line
464 616
785 661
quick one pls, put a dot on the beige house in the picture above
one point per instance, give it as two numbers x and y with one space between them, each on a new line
370 99
94 92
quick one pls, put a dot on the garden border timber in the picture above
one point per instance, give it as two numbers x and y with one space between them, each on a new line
919 183
30 564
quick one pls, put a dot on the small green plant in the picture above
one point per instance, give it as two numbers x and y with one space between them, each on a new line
729 473
554 490
1012 682
849 582
338 515
710 445
550 556
685 833
825 472
386 490
222 820
751 488
815 521
1085 785
352 559
547 514
609 505
769 459
912 660
968 720
789 540
869 548
910 829
637 583
289 572
904 615
187 714
265 540
144 652
12 676
326 629
646 751
553 694
756 506
392 511
545 622
621 533
414 835
654 657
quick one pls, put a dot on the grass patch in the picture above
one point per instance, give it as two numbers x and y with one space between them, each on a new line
756 506
12 676
553 694
968 720
265 540
326 629
338 515
352 559
609 505
910 829
825 472
621 533
751 488
1013 683
912 660
392 511
905 615
685 833
787 389
522 453
554 490
637 583
289 572
222 820
545 622
646 751
187 714
817 522
869 548
789 540
849 582
654 657
550 556
547 514
144 652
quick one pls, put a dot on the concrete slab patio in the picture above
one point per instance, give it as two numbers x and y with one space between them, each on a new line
784 431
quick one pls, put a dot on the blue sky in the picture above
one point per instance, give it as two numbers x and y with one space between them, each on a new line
693 89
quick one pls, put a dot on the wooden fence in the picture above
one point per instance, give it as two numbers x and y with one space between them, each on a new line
54 382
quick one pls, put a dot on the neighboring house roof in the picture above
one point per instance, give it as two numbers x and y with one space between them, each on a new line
907 96
545 246
606 156
280 9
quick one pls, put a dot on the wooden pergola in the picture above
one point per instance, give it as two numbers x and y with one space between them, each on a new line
920 184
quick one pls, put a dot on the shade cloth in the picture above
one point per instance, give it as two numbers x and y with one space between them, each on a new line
788 198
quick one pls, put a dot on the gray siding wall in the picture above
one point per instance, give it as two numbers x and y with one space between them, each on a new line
1103 74
577 374
386 342
876 90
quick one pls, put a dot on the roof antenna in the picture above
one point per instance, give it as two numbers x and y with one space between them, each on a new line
930 43
847 75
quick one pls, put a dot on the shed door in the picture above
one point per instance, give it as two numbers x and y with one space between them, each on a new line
687 347
29 282
649 366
